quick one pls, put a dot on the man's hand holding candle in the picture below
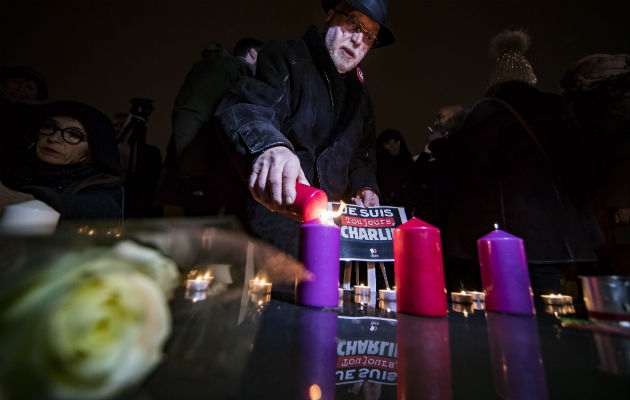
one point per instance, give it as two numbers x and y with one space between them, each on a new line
273 177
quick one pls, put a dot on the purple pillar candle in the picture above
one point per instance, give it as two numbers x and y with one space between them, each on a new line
319 251
504 273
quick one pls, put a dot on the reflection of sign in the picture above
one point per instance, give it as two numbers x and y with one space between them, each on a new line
367 233
366 351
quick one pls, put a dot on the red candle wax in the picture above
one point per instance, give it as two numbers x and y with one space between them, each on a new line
308 204
419 269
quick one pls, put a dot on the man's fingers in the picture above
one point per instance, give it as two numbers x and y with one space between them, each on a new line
302 178
289 176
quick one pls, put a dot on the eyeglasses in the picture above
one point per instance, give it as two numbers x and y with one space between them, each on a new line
352 23
69 135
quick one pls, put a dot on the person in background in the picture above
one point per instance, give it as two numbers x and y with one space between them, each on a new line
73 166
119 120
307 117
518 161
22 90
394 168
23 84
598 89
193 160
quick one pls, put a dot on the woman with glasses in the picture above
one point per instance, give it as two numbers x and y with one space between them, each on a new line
73 166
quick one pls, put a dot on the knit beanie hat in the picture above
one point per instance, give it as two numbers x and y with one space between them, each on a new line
508 49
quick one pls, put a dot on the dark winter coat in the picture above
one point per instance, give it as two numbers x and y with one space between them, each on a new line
500 176
300 101
192 177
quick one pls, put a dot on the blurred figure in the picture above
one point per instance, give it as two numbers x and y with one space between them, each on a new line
194 158
598 88
518 161
394 166
23 84
119 120
443 115
430 174
74 165
141 163
21 91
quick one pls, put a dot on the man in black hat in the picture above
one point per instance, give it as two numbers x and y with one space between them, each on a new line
307 117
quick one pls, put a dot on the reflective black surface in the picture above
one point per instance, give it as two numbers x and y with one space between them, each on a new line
222 347
227 343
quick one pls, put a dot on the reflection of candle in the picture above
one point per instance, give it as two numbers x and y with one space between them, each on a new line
195 295
387 294
199 283
556 299
461 297
366 299
419 269
424 358
259 286
361 290
478 296
314 355
504 273
387 305
308 203
465 308
515 355
319 251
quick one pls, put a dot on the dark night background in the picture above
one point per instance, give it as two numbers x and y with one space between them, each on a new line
106 52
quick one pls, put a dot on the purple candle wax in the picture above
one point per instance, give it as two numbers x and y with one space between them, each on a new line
319 251
504 273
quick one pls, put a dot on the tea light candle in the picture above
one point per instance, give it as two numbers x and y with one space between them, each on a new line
199 283
259 286
556 299
461 297
361 290
387 294
478 296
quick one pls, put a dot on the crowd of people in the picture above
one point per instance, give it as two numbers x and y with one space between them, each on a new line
248 124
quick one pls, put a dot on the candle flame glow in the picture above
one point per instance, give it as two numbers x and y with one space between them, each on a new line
327 217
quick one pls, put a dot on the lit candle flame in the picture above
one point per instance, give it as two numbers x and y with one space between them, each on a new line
328 216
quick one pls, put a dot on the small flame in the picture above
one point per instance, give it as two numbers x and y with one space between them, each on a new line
328 216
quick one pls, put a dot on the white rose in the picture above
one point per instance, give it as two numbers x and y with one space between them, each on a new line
90 325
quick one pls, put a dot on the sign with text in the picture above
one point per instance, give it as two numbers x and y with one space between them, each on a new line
366 354
367 233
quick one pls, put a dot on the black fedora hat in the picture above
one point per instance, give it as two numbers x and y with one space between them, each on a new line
375 9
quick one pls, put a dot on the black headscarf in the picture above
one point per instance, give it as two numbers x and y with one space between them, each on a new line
100 133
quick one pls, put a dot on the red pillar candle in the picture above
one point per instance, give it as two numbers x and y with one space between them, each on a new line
419 269
308 204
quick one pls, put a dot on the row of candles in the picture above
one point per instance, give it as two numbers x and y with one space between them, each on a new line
418 266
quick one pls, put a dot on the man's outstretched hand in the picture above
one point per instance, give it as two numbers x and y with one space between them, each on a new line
273 177
366 198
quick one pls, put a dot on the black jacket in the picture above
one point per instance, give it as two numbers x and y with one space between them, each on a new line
299 100
499 175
